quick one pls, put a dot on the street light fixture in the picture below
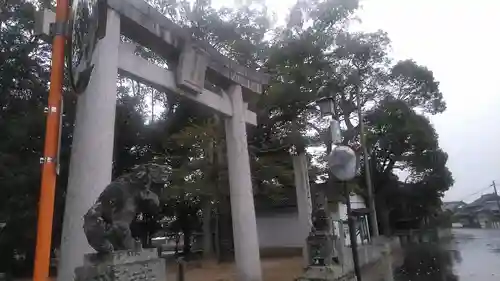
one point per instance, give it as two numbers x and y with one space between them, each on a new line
326 106
342 164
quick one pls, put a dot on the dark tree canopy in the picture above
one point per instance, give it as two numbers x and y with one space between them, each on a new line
416 85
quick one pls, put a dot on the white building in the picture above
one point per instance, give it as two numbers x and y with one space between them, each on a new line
278 228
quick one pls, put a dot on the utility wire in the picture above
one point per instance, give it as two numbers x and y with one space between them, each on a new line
475 193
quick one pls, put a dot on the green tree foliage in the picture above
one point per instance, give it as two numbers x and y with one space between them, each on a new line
401 139
416 85
23 91
299 60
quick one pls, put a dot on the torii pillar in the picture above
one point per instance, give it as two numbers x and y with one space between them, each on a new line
93 138
246 244
92 149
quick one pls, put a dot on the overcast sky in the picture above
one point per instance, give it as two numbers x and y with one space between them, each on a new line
458 40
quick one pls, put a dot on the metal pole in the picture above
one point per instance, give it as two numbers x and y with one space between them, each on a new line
368 178
180 269
496 193
352 234
350 222
49 168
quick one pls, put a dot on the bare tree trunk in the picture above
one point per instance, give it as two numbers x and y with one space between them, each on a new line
152 105
383 215
207 231
224 221
188 234
177 240
217 237
211 152
226 231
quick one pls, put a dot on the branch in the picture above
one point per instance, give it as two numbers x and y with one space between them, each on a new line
350 134
314 127
390 166
346 112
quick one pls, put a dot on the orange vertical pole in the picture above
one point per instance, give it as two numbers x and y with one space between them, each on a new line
48 185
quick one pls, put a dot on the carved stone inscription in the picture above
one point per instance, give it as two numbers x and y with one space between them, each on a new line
148 271
123 266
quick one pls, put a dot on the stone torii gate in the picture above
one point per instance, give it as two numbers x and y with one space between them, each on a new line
93 138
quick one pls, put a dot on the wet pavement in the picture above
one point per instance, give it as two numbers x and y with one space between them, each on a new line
473 254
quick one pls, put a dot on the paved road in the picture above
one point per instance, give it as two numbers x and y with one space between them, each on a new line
477 254
472 255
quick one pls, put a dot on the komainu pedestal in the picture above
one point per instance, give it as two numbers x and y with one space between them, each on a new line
126 265
320 249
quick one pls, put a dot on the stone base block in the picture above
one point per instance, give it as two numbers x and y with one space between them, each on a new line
320 273
320 249
142 265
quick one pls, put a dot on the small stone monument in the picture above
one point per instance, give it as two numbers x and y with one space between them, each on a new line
320 246
119 257
320 240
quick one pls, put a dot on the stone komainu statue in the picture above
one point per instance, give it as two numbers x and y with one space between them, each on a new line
107 222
